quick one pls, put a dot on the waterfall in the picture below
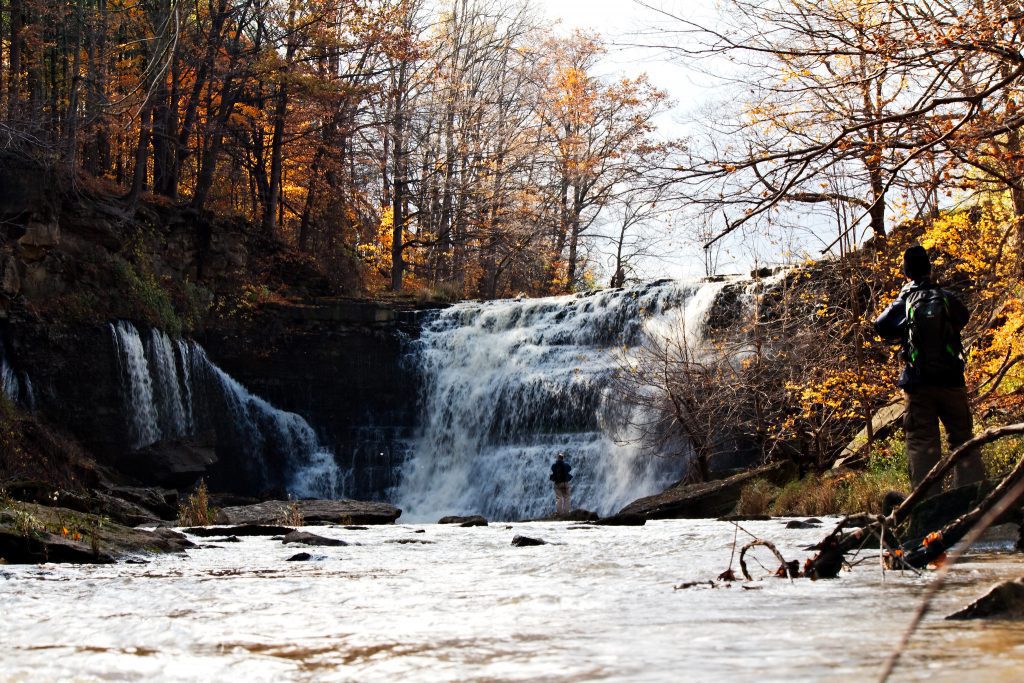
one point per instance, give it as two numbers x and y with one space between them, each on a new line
163 381
509 384
137 382
17 388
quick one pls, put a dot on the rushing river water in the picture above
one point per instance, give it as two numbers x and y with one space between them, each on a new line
460 604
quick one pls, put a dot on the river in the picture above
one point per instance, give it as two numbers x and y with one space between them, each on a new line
442 603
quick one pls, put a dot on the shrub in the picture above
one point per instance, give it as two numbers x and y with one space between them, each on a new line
196 510
756 497
292 515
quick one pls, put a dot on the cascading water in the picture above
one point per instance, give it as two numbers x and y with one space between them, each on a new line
163 380
16 387
508 384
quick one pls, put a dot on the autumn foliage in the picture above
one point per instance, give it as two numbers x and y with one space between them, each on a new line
457 144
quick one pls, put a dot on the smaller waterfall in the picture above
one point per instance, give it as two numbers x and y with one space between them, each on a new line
137 381
17 388
172 390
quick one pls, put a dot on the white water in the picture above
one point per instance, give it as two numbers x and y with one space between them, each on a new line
161 381
596 604
17 389
509 384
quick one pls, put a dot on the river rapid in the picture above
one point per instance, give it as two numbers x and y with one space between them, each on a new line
443 603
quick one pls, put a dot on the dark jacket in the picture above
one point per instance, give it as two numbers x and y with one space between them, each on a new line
560 472
892 326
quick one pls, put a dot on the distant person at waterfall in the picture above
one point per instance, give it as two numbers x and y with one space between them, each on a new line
561 477
926 320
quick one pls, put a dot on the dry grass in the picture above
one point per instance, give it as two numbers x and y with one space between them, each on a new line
292 515
196 510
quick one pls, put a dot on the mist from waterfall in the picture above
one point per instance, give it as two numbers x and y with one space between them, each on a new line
172 391
509 384
17 387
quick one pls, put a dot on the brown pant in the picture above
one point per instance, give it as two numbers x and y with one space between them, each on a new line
926 407
562 498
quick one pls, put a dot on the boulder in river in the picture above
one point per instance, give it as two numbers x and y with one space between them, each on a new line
312 511
31 534
707 499
306 538
300 557
523 541
1005 601
472 520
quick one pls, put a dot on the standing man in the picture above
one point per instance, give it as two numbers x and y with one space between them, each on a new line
927 321
560 475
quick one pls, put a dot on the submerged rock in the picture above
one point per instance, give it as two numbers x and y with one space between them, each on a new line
472 520
1005 601
800 524
306 538
312 511
523 541
299 557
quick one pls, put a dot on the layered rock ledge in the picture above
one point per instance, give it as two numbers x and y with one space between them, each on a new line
313 512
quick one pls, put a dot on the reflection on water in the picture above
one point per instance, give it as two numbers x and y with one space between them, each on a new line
596 603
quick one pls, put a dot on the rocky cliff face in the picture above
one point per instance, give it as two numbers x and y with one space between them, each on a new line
340 364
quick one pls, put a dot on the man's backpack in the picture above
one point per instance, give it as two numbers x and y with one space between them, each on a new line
933 344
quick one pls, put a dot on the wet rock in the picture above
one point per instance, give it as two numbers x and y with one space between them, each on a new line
472 520
31 533
300 557
174 464
523 541
226 539
580 515
707 499
1005 601
313 512
744 518
241 530
355 528
798 524
406 541
622 519
162 502
305 538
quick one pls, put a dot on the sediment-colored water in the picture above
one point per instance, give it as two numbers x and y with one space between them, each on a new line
454 604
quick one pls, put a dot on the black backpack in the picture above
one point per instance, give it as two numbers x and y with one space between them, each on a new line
933 347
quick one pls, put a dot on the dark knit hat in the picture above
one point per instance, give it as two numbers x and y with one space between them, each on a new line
916 265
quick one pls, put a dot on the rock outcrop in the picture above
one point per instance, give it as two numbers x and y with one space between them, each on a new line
1005 601
31 534
707 499
312 511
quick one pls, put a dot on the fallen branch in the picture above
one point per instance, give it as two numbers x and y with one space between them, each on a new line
784 567
1008 498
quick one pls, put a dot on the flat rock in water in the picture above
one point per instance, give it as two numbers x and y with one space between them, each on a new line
707 499
622 519
345 512
30 534
523 541
306 538
471 520
1005 601
800 524
243 530
744 518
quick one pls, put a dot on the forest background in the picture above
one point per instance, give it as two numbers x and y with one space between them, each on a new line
464 149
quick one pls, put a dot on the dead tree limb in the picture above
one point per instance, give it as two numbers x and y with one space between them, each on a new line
1005 500
867 526
783 567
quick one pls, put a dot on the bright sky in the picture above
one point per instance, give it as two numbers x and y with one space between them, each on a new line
624 24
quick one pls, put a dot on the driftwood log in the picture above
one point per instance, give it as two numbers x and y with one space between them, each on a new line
855 531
